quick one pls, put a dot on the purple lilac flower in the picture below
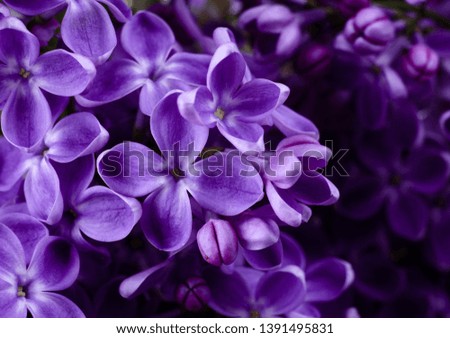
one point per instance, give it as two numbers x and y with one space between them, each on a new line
150 64
251 293
436 247
258 294
275 19
378 84
134 170
278 29
231 165
26 114
72 137
401 180
236 109
31 285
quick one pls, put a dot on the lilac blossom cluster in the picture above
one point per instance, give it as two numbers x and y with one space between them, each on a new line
164 158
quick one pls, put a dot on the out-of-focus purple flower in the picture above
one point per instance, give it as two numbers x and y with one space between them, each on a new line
30 286
439 232
193 294
403 178
86 28
27 229
217 242
377 277
152 66
378 85
421 63
370 31
278 20
277 29
134 170
327 278
25 76
252 293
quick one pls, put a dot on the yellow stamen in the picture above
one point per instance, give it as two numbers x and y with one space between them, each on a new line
255 314
24 73
21 292
219 113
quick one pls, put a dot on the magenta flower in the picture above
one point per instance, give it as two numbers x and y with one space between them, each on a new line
95 211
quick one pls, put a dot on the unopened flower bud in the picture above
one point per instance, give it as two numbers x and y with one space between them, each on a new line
313 60
193 294
421 62
218 242
370 31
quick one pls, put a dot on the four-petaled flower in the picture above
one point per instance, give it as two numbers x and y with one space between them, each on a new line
25 77
28 281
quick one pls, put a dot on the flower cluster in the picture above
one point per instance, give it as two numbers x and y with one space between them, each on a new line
164 159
